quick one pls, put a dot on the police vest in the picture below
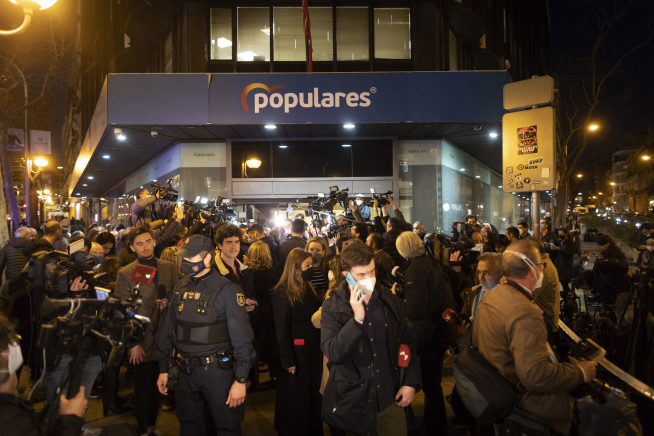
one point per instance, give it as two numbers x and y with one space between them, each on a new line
199 326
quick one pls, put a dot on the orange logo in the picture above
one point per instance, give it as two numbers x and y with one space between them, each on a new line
252 86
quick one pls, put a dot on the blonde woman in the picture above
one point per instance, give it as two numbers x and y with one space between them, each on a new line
169 255
298 401
261 277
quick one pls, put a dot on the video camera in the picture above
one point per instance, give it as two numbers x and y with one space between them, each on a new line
461 230
326 203
395 277
381 198
53 271
465 248
166 192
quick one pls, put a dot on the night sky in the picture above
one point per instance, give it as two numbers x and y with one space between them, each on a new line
619 117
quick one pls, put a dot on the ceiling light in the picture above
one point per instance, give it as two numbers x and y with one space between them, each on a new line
247 56
348 126
477 177
224 42
266 31
462 169
77 193
155 180
270 126
90 177
85 184
347 145
283 146
253 163
121 137
500 186
60 168
43 4
106 156
492 135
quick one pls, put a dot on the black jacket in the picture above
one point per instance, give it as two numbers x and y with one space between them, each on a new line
12 258
563 260
260 284
290 244
17 418
611 275
389 246
275 250
36 246
347 403
427 293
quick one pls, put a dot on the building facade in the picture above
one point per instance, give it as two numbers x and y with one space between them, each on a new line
405 96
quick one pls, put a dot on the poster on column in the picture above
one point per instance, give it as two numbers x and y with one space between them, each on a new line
529 150
16 141
40 142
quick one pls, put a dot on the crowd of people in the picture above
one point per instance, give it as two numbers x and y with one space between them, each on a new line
312 305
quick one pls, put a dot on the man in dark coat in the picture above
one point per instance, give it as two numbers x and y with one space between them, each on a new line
393 231
295 241
564 253
256 233
364 393
12 257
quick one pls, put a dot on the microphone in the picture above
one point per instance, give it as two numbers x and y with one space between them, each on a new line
452 318
403 360
161 294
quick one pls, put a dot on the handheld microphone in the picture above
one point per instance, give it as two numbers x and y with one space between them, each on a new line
451 317
161 294
403 360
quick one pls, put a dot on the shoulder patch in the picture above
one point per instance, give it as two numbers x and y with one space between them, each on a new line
240 299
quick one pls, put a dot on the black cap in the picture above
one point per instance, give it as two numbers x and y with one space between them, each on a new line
194 245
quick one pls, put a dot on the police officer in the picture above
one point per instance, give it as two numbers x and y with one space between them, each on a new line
207 342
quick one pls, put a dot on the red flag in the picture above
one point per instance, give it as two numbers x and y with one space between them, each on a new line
307 34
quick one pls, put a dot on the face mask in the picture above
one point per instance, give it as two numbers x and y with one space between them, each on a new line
650 247
15 359
532 265
191 269
99 258
367 285
307 275
330 275
359 202
316 257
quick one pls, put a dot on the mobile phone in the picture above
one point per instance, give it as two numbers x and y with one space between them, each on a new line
350 280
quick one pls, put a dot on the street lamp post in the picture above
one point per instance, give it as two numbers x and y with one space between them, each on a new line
28 10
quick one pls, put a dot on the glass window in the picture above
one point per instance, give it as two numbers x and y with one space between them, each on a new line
392 27
221 34
245 156
352 33
253 34
453 52
168 47
288 34
312 159
372 158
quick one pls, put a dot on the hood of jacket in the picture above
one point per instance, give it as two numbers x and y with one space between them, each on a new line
18 242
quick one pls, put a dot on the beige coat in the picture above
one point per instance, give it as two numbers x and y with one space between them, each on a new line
550 293
510 333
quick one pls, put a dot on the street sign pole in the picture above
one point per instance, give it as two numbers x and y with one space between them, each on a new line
535 212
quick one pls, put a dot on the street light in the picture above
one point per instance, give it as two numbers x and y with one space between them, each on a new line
612 183
645 157
28 10
593 127
580 175
40 162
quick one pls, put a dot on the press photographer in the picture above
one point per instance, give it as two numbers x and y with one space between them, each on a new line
610 271
363 209
17 417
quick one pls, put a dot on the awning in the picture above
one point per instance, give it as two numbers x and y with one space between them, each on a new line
463 107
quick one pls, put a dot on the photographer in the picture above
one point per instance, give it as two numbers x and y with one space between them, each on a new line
547 235
427 293
143 356
359 230
363 209
17 417
610 271
523 228
563 260
419 230
141 213
510 333
645 234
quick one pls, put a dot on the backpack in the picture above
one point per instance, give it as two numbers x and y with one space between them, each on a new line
486 393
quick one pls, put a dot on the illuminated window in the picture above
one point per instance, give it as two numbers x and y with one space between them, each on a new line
288 34
221 34
253 34
392 27
352 32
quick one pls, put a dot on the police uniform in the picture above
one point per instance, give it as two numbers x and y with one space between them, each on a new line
208 341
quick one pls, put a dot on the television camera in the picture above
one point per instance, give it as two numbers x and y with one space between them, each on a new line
323 208
53 271
382 199
395 277
166 192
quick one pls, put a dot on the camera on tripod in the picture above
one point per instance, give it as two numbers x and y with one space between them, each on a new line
53 271
166 192
465 248
382 199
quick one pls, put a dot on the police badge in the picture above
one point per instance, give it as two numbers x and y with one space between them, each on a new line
240 299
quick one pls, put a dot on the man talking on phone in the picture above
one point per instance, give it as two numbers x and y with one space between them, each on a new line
362 328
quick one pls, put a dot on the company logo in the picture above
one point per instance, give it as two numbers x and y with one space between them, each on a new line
290 100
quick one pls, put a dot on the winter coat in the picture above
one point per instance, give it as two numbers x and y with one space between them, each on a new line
167 276
12 258
347 403
427 293
17 417
260 284
549 293
468 296
36 246
611 275
297 400
510 333
563 260
390 248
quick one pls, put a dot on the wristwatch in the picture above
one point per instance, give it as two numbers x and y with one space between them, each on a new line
359 318
242 380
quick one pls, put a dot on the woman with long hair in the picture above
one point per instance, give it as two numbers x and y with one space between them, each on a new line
298 401
318 248
169 254
261 277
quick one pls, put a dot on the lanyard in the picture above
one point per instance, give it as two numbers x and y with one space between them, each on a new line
527 294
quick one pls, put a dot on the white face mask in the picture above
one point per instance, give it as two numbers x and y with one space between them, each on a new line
532 265
15 359
359 202
330 275
367 285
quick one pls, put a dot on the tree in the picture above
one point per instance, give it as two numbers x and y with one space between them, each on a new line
585 83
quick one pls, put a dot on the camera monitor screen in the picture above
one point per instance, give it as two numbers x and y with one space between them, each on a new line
102 293
197 199
333 188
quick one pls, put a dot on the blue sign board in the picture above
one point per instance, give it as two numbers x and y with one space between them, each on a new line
319 98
